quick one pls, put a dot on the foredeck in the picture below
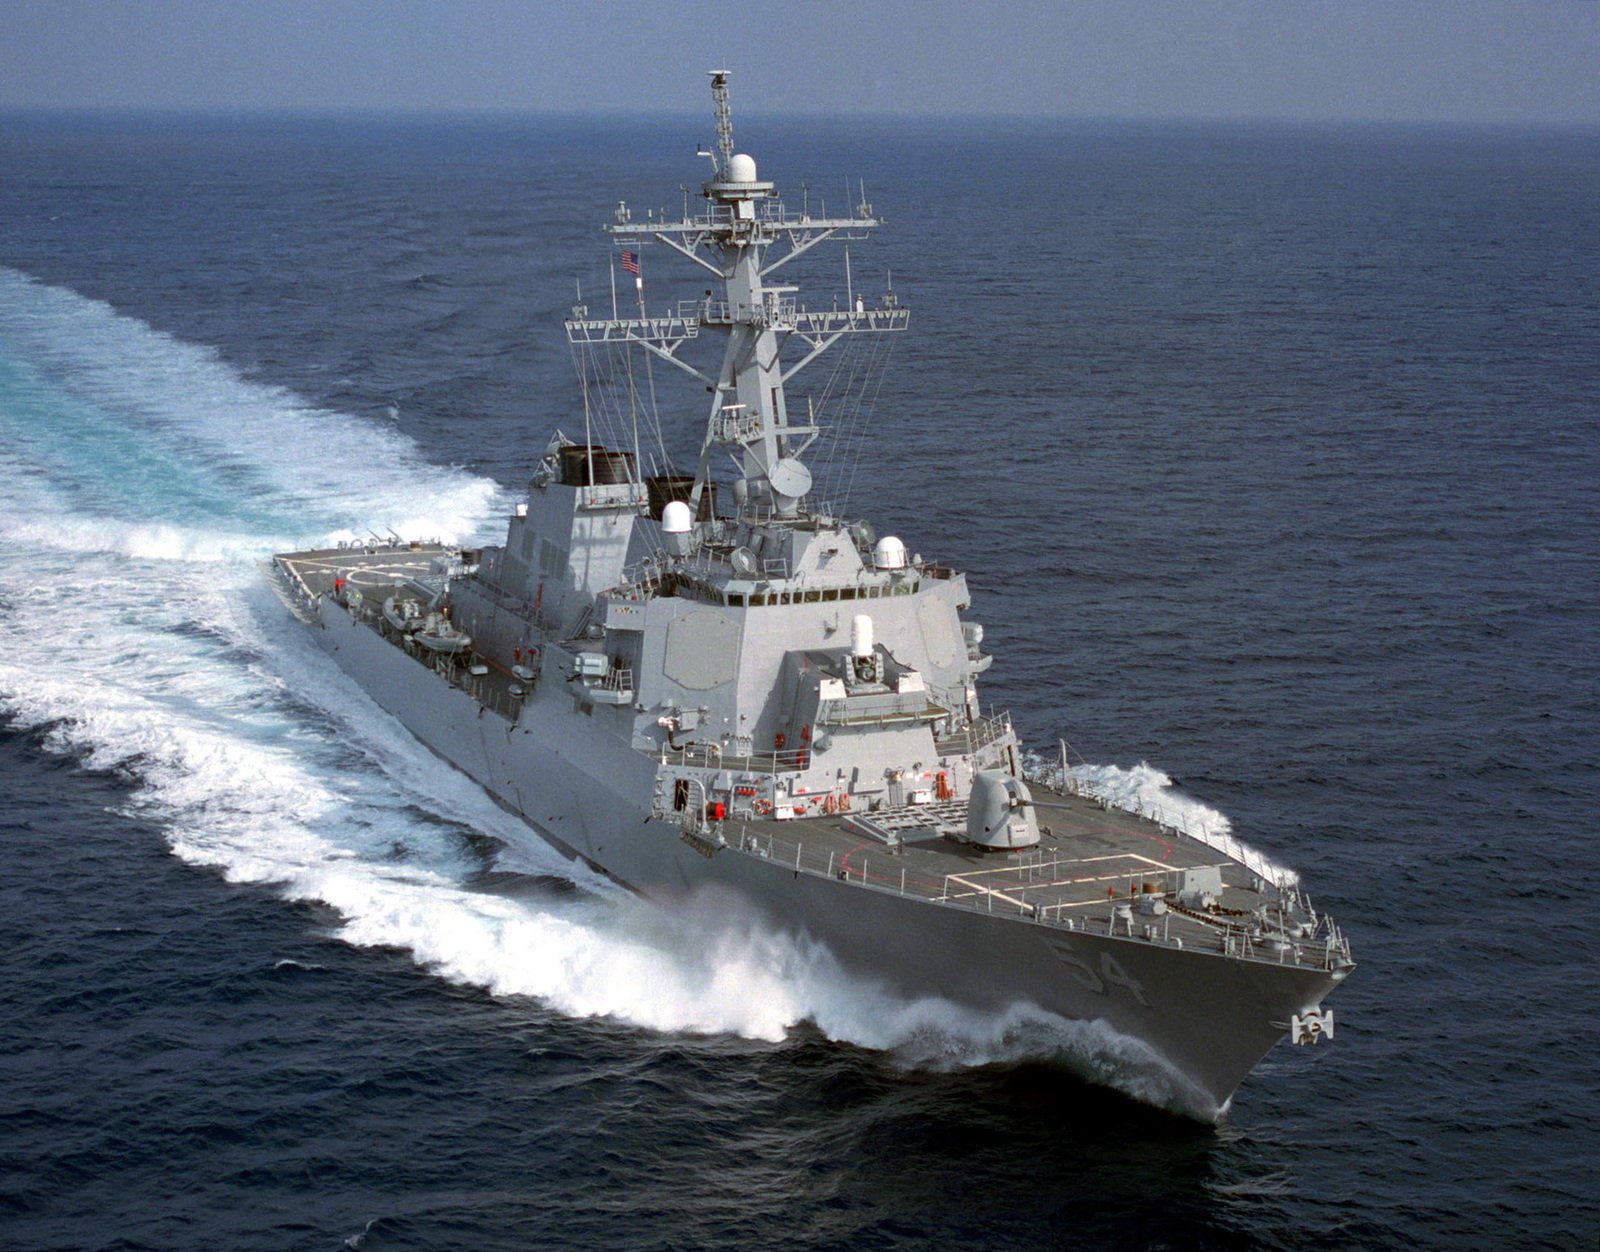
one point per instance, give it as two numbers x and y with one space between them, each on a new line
1095 869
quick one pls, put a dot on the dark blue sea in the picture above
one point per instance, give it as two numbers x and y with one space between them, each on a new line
1274 457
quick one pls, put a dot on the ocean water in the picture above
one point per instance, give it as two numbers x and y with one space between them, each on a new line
1272 455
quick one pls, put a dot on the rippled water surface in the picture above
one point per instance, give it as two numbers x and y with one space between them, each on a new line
1272 455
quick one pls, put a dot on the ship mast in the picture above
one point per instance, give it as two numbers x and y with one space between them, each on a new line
733 239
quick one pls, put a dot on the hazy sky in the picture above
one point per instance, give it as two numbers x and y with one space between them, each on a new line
1422 60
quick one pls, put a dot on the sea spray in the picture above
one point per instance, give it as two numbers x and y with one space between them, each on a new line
1150 793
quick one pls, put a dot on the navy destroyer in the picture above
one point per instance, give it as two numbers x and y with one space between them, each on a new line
716 678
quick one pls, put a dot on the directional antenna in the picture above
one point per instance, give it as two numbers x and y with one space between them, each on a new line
719 94
789 477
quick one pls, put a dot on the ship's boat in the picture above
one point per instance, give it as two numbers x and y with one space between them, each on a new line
443 639
402 614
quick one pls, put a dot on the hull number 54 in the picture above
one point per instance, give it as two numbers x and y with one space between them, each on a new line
1109 975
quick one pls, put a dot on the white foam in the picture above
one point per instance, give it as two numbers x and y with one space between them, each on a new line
143 640
707 968
137 416
1149 792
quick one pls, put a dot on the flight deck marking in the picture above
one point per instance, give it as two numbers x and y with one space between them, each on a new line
1033 884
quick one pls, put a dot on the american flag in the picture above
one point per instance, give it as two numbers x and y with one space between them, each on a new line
630 262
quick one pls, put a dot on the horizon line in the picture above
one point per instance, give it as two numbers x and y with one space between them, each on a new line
403 113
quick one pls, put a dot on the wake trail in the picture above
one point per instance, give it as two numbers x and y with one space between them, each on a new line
141 477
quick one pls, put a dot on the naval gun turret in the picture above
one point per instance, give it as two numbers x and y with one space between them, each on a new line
1000 813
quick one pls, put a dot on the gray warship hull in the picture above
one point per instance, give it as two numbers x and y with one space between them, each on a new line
1201 1014
719 680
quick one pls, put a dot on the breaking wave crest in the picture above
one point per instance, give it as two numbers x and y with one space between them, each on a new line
141 479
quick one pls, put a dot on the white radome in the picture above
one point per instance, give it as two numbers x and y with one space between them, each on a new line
676 519
889 553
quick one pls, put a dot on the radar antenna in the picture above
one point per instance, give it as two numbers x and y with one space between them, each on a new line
747 412
719 95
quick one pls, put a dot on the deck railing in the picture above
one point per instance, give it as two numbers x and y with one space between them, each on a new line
1195 827
973 737
787 761
877 870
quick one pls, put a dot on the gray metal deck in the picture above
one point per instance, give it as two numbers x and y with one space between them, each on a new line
1094 869
375 569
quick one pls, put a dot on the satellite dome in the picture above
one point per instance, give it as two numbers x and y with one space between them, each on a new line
890 553
676 519
677 529
742 168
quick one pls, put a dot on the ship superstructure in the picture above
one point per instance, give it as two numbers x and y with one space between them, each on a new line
692 680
